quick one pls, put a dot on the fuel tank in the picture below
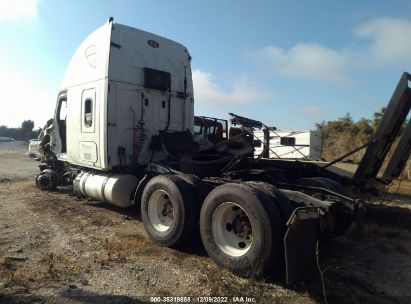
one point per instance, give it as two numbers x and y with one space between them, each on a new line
116 189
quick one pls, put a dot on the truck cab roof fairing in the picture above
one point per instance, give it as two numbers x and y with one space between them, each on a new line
95 58
90 60
135 51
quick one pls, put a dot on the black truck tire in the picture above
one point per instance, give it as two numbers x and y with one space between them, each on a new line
199 188
241 229
339 188
47 180
343 216
200 191
277 197
322 182
168 210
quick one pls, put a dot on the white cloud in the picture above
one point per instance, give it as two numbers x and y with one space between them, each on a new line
18 10
307 61
390 40
383 42
242 92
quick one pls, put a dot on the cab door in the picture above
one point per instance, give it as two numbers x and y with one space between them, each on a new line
88 141
59 133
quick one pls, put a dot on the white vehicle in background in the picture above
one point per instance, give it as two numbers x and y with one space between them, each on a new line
6 139
37 146
34 145
291 144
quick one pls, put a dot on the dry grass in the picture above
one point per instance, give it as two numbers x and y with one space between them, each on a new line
89 242
403 189
124 245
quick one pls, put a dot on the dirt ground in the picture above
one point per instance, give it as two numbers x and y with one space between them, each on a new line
55 248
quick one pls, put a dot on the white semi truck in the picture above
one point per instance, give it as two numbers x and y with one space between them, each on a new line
123 133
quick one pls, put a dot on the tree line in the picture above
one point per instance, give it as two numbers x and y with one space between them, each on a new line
343 135
24 132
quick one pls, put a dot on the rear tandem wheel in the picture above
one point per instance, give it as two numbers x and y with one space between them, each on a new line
169 210
241 229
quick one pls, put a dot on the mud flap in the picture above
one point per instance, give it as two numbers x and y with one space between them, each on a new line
300 243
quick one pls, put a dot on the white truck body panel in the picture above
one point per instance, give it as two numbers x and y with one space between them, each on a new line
307 144
107 98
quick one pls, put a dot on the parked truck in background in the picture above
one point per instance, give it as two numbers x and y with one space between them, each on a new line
212 129
123 132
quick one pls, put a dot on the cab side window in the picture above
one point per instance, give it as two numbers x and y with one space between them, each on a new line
88 112
62 114
61 117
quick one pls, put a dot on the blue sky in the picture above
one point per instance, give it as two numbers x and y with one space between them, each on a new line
289 64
